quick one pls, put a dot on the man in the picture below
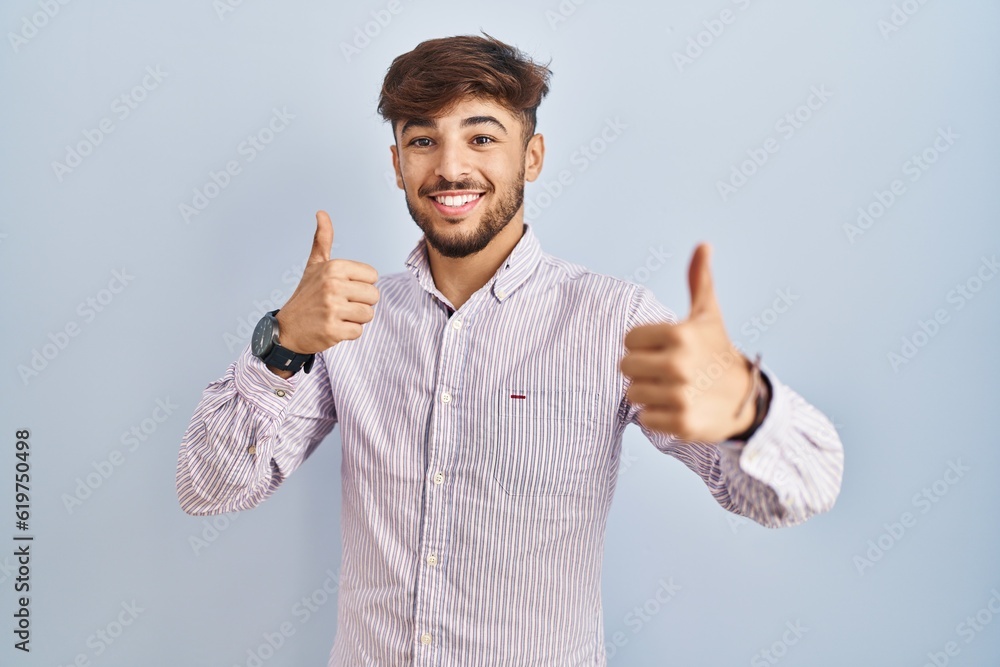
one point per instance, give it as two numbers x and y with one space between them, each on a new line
482 402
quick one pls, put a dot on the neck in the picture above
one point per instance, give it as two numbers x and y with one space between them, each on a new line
458 278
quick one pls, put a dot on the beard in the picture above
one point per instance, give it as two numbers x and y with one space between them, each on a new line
504 206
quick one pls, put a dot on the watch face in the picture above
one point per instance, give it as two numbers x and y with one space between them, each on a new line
260 344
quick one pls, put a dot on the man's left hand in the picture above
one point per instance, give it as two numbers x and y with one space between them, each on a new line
688 377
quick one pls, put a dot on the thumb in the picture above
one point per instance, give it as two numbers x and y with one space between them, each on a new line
322 240
703 299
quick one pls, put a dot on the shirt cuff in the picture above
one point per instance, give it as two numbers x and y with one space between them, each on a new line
760 455
263 389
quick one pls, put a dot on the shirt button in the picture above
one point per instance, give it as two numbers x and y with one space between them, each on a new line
280 393
425 638
432 559
252 449
439 478
501 294
457 324
446 397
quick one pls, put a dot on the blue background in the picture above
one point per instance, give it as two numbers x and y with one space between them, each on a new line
861 589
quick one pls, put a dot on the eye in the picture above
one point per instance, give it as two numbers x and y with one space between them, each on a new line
412 143
483 136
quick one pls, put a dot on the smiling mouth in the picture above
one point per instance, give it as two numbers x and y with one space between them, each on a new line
455 206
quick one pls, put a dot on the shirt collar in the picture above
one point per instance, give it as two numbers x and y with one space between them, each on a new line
520 264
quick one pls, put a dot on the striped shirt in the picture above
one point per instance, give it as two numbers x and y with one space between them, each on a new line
480 455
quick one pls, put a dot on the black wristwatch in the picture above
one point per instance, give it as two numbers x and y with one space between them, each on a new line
264 345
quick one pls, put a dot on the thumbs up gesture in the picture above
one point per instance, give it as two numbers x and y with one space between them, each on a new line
333 299
664 361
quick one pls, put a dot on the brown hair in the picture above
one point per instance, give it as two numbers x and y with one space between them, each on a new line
428 80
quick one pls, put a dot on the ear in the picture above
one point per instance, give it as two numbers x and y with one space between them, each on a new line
395 166
534 156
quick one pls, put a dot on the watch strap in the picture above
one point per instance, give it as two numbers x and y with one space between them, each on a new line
284 359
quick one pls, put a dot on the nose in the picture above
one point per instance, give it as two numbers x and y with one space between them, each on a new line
453 163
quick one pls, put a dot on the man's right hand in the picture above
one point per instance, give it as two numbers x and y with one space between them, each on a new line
332 301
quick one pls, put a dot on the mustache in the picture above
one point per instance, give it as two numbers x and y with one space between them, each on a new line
444 186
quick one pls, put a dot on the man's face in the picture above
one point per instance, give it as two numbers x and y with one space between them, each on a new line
475 154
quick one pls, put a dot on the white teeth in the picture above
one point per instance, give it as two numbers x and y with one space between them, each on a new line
457 201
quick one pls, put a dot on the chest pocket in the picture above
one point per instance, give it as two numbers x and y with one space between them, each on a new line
547 441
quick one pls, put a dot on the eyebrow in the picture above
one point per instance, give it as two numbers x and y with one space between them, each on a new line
466 122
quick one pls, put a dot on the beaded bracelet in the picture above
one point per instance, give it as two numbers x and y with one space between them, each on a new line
759 389
754 385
